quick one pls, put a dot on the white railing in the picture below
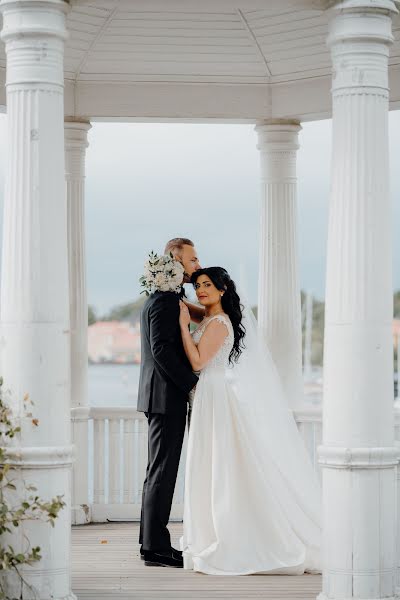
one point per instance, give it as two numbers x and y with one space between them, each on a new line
117 465
116 442
309 423
117 458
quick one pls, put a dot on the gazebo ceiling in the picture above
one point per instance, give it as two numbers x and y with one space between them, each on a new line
200 59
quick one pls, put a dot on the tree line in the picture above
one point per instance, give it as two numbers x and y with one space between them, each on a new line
131 312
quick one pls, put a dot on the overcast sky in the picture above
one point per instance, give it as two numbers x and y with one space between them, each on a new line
147 183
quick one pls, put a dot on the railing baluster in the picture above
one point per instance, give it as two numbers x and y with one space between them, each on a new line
114 461
129 460
98 470
142 454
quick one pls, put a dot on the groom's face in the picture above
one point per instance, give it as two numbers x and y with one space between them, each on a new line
190 261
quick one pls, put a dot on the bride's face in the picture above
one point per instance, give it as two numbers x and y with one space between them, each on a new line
206 292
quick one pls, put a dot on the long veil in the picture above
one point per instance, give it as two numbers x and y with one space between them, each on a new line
270 425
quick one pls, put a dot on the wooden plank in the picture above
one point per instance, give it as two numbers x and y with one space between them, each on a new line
234 24
298 53
83 27
296 34
185 47
290 25
203 40
90 11
129 78
181 15
171 68
106 565
293 16
280 67
268 46
82 36
84 17
184 57
176 32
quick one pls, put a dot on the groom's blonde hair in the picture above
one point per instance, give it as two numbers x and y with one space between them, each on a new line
175 246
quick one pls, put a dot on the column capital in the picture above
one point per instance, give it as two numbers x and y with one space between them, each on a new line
360 33
42 17
34 32
75 132
348 24
278 135
356 5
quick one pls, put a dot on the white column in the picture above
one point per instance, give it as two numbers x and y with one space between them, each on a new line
75 152
358 454
279 304
34 287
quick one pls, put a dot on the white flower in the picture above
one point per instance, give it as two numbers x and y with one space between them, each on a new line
159 279
161 273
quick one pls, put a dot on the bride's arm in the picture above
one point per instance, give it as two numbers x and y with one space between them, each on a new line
196 312
211 340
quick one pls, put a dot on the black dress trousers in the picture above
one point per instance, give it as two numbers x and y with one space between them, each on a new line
166 433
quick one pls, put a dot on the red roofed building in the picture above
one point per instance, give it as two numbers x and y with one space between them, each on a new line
113 341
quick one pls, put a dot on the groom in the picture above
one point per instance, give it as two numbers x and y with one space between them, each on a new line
166 379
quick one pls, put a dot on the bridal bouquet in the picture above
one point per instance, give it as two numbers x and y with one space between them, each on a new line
161 274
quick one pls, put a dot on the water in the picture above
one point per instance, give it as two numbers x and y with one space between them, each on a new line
113 385
117 385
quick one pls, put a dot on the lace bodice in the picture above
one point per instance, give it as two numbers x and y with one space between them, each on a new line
222 357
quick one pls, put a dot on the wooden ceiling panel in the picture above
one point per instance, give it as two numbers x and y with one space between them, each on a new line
296 65
216 41
171 68
269 20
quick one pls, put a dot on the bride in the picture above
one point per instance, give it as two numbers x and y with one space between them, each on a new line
252 499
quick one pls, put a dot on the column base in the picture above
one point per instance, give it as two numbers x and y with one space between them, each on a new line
81 514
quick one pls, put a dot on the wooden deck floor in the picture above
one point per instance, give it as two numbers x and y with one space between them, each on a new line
106 566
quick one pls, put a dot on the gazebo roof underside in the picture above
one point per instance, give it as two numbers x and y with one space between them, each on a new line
200 60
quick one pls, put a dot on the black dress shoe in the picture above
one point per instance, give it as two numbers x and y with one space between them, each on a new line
161 559
176 553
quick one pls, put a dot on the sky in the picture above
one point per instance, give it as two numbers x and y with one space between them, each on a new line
148 182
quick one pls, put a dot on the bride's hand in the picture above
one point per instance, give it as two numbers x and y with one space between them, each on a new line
184 316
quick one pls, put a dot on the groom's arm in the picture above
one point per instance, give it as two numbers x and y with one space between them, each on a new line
164 334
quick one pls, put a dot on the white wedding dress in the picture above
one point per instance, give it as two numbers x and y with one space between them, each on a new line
250 507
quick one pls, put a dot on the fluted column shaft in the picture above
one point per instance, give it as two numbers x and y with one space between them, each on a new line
358 453
75 152
34 287
279 305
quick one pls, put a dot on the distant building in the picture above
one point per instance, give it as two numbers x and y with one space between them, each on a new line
114 342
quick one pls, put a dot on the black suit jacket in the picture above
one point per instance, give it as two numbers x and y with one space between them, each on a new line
166 376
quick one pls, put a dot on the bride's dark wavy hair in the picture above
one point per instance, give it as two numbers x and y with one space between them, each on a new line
230 303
